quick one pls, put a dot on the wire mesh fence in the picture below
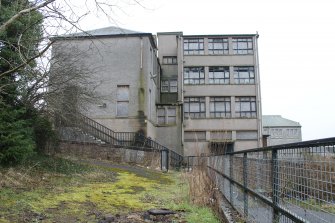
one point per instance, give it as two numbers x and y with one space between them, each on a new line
285 183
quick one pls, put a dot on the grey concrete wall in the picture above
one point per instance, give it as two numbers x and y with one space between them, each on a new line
121 61
207 90
116 155
220 124
219 90
222 60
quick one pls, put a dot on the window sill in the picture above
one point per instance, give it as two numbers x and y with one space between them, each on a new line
166 125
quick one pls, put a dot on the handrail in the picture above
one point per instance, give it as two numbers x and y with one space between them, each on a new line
127 139
281 182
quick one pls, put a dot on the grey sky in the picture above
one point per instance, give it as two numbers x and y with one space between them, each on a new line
296 47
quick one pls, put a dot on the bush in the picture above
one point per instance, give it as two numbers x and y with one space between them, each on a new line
43 132
16 136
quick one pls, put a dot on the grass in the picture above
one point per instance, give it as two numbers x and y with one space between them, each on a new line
58 190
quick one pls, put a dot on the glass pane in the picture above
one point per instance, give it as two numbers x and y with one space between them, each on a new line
171 112
186 107
194 107
246 135
211 107
161 120
123 93
173 89
245 106
173 83
161 112
220 106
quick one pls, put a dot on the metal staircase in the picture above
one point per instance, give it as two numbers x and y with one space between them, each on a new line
82 128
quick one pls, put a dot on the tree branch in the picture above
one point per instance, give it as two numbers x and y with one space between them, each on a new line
27 61
4 26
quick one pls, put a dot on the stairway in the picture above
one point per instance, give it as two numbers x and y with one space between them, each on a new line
84 129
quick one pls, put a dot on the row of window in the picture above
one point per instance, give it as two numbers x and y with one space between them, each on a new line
219 75
195 136
195 46
220 107
282 133
194 107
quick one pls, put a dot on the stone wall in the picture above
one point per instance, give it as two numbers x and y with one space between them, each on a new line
150 159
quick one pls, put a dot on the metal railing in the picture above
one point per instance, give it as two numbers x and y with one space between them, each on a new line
284 183
132 140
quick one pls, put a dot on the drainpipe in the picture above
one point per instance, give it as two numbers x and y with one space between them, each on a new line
181 81
141 53
258 92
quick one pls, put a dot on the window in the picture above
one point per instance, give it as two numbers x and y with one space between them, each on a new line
169 60
194 136
218 46
242 46
219 107
245 107
194 75
161 115
193 46
221 135
219 75
244 75
169 86
165 86
166 115
122 107
171 115
246 135
173 86
194 107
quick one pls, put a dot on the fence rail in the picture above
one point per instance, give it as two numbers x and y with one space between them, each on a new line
284 183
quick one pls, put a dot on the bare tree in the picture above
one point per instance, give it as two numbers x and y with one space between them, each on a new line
60 17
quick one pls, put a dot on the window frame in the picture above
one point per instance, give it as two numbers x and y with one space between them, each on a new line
246 135
200 102
190 71
212 75
220 114
195 138
166 117
213 50
167 83
122 101
238 75
245 101
189 43
170 60
239 48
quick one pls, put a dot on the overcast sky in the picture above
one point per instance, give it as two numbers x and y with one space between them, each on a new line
296 47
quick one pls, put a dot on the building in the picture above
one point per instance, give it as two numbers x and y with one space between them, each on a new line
279 130
215 81
194 94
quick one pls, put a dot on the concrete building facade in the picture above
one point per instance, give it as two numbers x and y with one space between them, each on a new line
196 94
217 92
279 130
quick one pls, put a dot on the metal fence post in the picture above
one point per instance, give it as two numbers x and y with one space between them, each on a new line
275 185
165 160
231 177
245 183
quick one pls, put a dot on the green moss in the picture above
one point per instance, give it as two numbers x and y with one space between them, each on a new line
78 198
